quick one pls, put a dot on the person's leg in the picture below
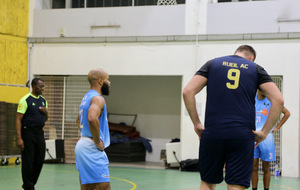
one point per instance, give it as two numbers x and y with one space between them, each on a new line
91 186
27 156
267 174
211 160
235 187
81 186
103 186
39 157
96 186
239 162
207 186
254 178
267 156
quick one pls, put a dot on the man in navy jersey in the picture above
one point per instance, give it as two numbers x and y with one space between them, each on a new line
91 160
228 136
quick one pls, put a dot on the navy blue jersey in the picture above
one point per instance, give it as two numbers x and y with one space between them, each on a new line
30 105
231 89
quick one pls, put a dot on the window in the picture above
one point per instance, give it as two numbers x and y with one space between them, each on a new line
108 3
77 3
145 2
180 1
222 1
58 4
153 2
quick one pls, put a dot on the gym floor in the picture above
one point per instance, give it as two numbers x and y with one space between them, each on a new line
139 176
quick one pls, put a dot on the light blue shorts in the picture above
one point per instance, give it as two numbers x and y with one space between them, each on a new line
91 163
266 149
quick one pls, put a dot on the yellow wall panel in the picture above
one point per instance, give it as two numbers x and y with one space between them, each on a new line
3 15
21 66
12 17
11 62
23 18
13 58
2 59
12 94
16 63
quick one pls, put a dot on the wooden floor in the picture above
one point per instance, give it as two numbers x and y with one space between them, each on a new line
139 176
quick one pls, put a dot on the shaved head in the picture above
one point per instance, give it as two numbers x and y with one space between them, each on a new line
99 81
96 74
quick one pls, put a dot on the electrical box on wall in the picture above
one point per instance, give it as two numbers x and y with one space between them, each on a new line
173 153
55 149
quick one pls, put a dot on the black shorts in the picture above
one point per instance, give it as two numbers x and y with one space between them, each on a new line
236 154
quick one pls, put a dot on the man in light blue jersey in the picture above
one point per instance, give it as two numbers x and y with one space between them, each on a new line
91 160
266 149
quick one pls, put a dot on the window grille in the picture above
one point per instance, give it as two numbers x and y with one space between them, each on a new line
64 94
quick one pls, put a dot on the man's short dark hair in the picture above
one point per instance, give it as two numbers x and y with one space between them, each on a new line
248 49
35 81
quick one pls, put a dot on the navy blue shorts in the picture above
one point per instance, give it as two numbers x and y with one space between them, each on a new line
235 154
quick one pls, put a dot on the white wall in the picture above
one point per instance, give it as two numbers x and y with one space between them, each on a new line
253 17
278 57
195 16
116 21
42 4
117 58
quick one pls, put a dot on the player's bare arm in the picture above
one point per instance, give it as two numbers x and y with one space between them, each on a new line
20 142
196 84
95 111
286 115
271 91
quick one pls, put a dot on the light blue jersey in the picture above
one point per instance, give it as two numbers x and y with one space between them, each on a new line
83 118
262 108
266 149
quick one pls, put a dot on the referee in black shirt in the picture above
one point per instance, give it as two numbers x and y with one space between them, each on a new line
31 117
